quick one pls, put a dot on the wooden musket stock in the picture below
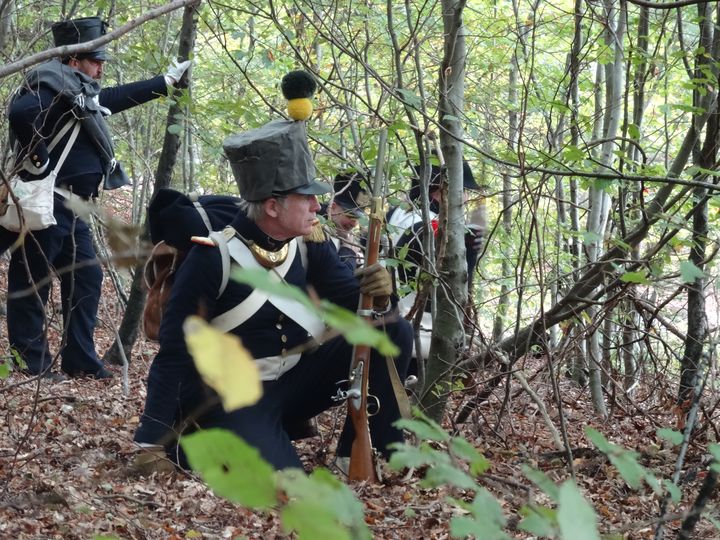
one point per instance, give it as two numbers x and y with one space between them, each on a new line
362 462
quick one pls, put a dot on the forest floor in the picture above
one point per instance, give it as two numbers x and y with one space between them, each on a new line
65 450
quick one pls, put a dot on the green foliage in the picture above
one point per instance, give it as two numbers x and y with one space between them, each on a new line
625 460
485 520
446 460
356 330
321 506
675 437
689 272
576 517
317 506
4 370
231 467
541 480
539 520
634 277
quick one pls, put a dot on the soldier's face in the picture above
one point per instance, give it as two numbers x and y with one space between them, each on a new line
91 67
296 214
345 220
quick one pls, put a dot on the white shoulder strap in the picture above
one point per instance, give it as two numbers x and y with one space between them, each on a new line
201 210
69 144
236 316
399 222
302 248
222 244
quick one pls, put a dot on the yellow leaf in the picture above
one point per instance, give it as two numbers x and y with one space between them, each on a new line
224 364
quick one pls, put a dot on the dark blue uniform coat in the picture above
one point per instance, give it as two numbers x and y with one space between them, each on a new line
176 392
66 247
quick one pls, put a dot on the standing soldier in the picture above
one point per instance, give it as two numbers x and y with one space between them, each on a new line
57 94
407 232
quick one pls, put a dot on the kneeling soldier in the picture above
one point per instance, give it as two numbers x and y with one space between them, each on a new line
276 178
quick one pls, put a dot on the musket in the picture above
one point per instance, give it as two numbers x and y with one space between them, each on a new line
362 460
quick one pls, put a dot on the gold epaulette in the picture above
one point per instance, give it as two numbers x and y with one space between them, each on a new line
316 235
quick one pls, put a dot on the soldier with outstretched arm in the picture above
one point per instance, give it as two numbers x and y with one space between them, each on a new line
66 93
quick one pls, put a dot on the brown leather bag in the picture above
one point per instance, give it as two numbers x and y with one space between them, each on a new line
159 275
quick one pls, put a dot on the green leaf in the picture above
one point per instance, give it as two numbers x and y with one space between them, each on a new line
689 272
673 489
356 330
231 467
407 455
589 237
487 521
675 437
263 280
463 449
321 506
624 460
543 481
423 427
19 362
311 520
447 474
409 97
4 370
634 131
575 515
634 277
714 450
538 520
713 520
175 129
572 153
686 108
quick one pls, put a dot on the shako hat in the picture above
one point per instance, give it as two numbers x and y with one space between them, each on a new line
351 191
436 178
275 159
74 31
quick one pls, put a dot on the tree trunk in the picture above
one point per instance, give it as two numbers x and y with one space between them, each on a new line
697 318
506 269
448 334
130 324
599 198
7 8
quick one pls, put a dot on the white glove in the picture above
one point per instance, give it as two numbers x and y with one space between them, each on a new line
176 71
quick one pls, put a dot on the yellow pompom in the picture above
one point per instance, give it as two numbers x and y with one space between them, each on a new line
300 108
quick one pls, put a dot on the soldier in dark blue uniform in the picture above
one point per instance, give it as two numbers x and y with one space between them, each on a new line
54 93
276 229
407 231
343 215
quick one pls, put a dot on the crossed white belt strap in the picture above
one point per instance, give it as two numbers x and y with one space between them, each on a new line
247 308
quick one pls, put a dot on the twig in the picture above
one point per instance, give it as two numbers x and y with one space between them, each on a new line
69 50
130 498
692 418
543 412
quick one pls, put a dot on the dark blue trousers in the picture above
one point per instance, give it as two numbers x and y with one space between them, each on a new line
307 390
64 249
